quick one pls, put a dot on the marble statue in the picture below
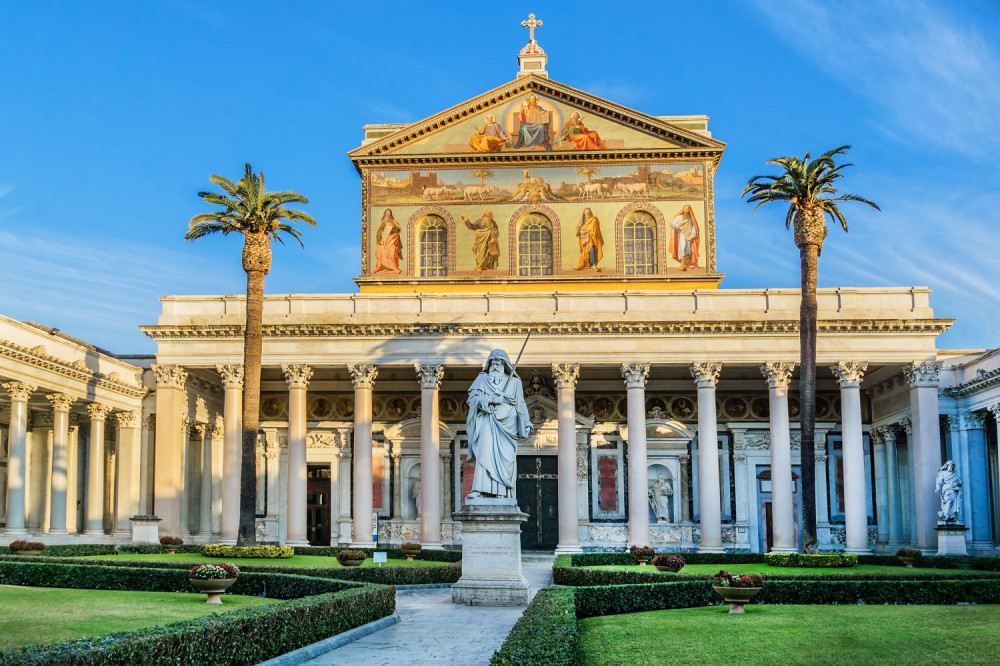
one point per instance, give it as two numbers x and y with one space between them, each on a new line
948 486
661 492
498 419
417 493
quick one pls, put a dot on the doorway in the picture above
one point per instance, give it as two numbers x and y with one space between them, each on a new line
538 496
765 531
318 491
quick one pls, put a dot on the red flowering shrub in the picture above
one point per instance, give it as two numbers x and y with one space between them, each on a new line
21 544
726 579
642 552
171 541
673 562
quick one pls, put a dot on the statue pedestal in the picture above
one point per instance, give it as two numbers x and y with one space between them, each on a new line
491 554
951 539
145 529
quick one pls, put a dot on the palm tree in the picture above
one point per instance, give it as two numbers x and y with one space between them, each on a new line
588 171
482 175
808 187
248 209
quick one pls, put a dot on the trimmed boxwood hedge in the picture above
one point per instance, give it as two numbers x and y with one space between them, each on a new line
318 608
73 550
825 560
545 633
249 552
393 553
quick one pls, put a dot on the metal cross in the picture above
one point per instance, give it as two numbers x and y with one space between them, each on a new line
531 24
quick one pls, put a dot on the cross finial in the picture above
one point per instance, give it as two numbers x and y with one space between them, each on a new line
531 24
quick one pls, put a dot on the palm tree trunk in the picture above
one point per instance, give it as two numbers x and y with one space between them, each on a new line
809 259
256 263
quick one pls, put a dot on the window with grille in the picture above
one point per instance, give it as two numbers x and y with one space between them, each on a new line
534 245
639 243
432 246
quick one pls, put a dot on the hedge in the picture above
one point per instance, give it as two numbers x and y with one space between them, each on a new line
826 560
252 552
318 608
73 550
607 559
393 553
544 634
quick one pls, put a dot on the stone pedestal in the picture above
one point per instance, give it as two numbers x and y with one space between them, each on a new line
491 554
145 529
951 539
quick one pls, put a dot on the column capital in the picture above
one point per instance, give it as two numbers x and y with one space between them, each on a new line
429 374
297 375
878 434
198 430
974 420
169 376
97 411
849 373
60 402
635 374
446 457
19 391
566 374
906 425
128 419
995 409
922 375
777 373
363 374
706 375
232 375
949 421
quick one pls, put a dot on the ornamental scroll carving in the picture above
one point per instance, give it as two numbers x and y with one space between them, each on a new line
98 412
128 419
19 390
849 373
429 375
635 374
60 401
706 375
363 375
232 375
169 376
322 440
297 375
924 374
778 374
566 374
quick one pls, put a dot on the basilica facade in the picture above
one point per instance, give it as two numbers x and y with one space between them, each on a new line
579 236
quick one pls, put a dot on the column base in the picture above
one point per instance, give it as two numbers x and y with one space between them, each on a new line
20 532
94 533
711 549
858 551
432 544
57 533
364 544
297 544
568 549
227 542
784 549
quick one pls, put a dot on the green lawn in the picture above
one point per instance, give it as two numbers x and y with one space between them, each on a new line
795 635
763 569
315 561
39 615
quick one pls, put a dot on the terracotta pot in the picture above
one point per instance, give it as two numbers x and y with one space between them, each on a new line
667 569
351 563
736 596
213 587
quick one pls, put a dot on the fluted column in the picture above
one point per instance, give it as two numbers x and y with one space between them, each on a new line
218 443
205 483
17 456
778 376
363 376
232 455
129 463
635 375
881 483
95 469
849 376
60 461
168 470
706 376
566 375
978 484
430 461
297 376
892 501
926 445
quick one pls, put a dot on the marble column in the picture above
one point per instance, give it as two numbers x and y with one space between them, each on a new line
635 375
778 376
60 461
446 465
95 470
849 376
430 457
191 464
168 470
218 444
565 375
17 456
397 487
894 511
205 483
297 376
129 463
926 449
881 484
363 376
977 485
232 455
706 376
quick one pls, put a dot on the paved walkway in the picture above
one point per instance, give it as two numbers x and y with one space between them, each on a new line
432 630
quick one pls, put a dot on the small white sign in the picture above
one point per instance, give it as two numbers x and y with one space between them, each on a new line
380 557
375 526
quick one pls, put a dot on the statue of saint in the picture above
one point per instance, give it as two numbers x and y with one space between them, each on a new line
660 493
417 494
948 486
498 419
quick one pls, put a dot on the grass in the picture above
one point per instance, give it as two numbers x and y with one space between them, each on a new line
42 615
311 561
763 569
795 634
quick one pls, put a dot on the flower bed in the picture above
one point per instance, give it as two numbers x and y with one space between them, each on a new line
221 571
318 608
21 546
250 552
808 560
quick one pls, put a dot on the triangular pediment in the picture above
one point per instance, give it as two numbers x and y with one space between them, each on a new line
534 115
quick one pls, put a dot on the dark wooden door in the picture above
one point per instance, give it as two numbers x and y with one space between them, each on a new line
538 496
318 504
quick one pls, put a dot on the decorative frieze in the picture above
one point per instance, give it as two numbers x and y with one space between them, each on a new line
429 375
39 357
706 375
635 374
778 374
363 375
922 375
566 374
297 375
232 375
169 376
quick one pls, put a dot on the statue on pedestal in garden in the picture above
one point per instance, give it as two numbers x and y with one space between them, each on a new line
948 486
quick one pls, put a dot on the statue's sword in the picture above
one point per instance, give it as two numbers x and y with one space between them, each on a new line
516 362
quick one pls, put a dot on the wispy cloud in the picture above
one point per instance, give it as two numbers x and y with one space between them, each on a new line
937 77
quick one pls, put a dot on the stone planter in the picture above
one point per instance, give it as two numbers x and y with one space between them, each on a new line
736 596
409 558
171 550
28 552
213 587
667 569
352 563
643 561
908 561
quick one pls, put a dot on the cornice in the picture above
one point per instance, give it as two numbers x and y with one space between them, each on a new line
38 357
982 381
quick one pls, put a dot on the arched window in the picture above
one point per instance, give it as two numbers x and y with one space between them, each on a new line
534 245
639 243
432 247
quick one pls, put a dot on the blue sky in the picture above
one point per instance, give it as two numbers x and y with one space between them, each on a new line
114 114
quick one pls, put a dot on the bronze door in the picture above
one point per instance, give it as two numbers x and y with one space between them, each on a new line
538 496
318 491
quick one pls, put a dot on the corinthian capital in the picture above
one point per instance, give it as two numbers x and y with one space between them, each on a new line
60 401
363 375
566 374
20 391
706 375
975 420
128 419
777 374
849 373
635 374
232 375
429 375
97 411
297 375
169 376
920 375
